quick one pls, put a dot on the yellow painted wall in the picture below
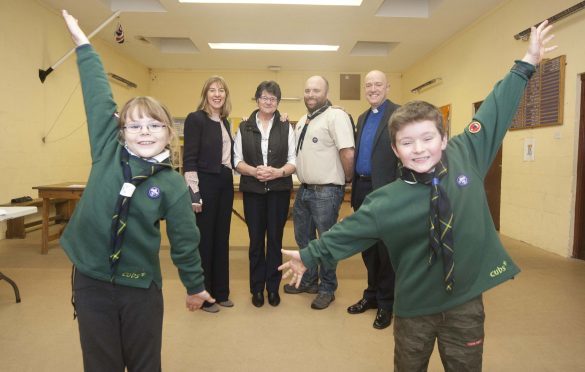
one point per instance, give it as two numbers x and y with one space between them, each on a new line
537 197
180 90
33 37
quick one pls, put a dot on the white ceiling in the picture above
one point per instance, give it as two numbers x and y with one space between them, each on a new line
410 38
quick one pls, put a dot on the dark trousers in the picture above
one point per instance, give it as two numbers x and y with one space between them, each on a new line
119 326
266 216
217 192
380 288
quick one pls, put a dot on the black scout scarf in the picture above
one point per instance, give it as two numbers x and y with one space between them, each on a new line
310 117
441 217
120 217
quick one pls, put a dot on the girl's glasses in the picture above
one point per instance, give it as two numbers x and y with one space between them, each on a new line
136 127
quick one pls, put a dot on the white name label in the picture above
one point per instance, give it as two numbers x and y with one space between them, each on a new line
127 190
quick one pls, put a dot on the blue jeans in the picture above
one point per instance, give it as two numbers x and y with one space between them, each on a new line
317 209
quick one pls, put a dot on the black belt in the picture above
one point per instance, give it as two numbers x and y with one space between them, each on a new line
364 178
320 187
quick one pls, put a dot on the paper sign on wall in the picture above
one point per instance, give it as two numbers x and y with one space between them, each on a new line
529 147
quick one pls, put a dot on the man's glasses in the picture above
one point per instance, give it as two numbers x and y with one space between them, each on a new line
136 127
268 99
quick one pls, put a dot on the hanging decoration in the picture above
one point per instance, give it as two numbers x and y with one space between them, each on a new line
119 34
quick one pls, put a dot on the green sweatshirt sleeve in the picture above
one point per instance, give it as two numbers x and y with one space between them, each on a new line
184 238
354 234
98 101
495 117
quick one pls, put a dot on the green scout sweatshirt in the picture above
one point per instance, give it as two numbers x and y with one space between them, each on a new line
87 238
398 214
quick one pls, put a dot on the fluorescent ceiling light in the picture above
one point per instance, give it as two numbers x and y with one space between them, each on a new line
251 46
282 2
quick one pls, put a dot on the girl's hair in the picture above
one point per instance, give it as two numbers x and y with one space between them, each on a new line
152 108
271 87
204 105
414 112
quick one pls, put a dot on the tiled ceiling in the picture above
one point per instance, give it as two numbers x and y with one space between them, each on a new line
389 35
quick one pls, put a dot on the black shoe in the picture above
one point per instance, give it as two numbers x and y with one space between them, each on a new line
361 306
383 319
273 298
258 299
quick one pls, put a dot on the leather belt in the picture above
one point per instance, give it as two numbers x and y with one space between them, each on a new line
364 178
319 187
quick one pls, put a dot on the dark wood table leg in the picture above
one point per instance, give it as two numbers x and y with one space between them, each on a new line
45 232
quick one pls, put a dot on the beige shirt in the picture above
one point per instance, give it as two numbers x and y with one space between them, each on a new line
318 161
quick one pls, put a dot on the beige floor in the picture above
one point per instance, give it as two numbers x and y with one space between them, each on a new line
533 323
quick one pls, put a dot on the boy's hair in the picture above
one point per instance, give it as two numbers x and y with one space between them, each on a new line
270 87
204 105
413 112
152 108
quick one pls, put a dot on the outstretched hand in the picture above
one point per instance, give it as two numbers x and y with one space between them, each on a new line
195 301
294 266
77 34
539 38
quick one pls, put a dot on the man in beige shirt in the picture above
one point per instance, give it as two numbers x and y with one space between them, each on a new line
325 152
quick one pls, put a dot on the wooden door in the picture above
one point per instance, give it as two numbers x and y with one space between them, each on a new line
579 229
493 182
493 188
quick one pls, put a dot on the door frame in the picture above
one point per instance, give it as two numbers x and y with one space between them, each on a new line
579 221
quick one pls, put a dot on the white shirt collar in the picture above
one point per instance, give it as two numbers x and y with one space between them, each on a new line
155 159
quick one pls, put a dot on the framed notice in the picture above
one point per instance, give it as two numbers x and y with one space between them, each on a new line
446 112
542 103
179 124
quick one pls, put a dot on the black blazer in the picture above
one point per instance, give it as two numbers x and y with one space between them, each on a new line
203 143
384 161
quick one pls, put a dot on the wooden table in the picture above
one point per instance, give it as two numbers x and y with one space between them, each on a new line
70 191
7 213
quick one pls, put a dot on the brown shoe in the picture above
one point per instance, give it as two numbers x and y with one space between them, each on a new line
213 308
226 303
322 301
291 289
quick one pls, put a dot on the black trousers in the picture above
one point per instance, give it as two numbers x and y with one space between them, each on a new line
266 216
119 326
217 192
381 279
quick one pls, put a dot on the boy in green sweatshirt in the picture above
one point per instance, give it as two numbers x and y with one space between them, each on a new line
436 225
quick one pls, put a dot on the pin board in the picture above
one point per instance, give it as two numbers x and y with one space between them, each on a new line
542 103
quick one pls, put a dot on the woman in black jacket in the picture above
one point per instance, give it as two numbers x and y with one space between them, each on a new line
264 155
207 161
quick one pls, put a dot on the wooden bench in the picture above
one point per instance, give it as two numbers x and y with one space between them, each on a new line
16 228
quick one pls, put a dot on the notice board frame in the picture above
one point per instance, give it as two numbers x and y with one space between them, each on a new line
543 100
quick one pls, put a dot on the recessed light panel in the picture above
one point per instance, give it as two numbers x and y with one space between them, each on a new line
280 2
252 46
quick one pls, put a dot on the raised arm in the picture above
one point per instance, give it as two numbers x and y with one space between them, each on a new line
484 135
78 36
97 94
539 38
